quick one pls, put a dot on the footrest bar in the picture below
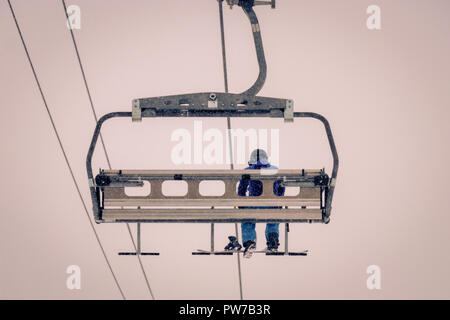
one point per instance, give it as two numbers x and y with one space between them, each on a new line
230 253
138 254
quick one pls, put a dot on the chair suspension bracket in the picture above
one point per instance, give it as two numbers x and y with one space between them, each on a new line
212 104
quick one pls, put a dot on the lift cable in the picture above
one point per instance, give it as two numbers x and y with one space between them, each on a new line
85 82
225 76
64 152
102 141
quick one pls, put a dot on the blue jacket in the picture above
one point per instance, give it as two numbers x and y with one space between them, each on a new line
255 187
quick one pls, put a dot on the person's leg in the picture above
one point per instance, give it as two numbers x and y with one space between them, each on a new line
248 232
272 235
272 228
248 239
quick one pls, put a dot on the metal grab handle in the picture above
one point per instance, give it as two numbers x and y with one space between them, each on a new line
92 188
334 154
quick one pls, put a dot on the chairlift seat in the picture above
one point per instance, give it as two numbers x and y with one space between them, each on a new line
305 206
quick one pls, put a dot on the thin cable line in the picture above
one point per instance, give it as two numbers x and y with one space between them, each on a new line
225 78
63 150
85 81
140 263
102 141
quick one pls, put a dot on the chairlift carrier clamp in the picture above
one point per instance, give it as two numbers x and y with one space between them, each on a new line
311 205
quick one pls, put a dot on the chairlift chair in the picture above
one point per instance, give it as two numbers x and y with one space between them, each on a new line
311 205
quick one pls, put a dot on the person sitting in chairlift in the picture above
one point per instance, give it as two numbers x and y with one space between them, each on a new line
258 160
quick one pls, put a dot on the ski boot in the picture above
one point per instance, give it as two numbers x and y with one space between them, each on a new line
250 247
272 242
234 244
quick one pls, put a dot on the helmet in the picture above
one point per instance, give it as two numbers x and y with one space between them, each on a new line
258 155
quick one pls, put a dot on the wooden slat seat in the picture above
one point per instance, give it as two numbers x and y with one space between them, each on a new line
157 207
212 215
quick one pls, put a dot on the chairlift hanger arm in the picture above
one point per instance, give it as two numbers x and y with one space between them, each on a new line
226 101
247 7
256 87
